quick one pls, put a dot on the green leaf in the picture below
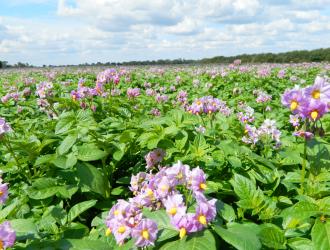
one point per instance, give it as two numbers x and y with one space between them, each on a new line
75 231
321 235
234 161
118 190
79 208
273 237
196 241
301 210
228 213
241 236
300 244
67 143
71 160
91 179
90 152
42 159
24 228
70 244
7 210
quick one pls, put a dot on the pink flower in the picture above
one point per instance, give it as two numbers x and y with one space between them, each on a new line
154 157
197 180
7 235
174 205
145 233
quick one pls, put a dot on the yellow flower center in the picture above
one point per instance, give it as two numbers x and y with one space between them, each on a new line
202 219
179 176
172 211
121 229
150 192
145 234
1 245
183 232
202 186
316 94
164 188
108 232
1 193
314 114
198 102
246 131
294 105
116 212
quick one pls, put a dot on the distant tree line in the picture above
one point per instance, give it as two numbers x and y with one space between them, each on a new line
4 64
317 55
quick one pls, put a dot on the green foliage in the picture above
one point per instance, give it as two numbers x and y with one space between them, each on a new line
68 163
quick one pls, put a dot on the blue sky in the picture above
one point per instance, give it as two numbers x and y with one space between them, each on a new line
77 31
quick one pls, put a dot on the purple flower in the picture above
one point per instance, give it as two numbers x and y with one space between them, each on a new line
163 188
3 192
319 91
314 109
4 127
304 134
121 231
182 97
281 74
197 180
133 93
295 120
150 92
117 212
205 211
185 224
200 129
7 235
154 157
178 173
155 112
145 233
174 205
137 181
263 97
293 98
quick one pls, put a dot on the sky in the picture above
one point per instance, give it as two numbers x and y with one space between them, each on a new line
61 32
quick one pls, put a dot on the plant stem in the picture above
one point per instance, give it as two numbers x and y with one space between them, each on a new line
11 151
303 168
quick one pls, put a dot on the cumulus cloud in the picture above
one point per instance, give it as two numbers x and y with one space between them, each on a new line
115 30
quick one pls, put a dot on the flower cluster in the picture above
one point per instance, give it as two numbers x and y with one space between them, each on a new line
109 75
155 112
264 72
247 115
311 102
262 96
16 95
133 92
281 74
4 127
156 191
154 157
44 89
208 105
83 91
182 97
7 234
161 98
267 130
3 192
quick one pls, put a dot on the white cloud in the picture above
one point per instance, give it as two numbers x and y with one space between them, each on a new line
114 30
